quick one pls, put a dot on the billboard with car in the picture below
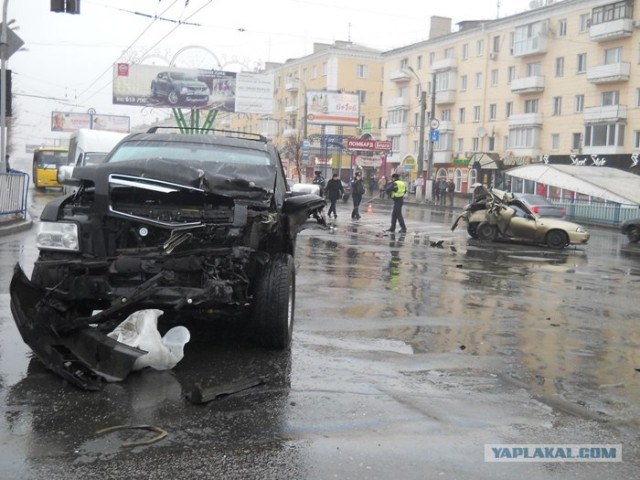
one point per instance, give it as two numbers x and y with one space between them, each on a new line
169 87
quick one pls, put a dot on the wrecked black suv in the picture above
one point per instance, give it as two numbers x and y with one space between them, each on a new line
199 222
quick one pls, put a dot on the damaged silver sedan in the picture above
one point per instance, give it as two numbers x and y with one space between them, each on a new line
202 222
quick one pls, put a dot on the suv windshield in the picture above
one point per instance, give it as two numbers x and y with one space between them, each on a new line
202 152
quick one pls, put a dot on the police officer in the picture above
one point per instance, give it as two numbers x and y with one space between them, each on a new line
396 190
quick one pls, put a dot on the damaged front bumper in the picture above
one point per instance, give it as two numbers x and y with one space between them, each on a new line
83 356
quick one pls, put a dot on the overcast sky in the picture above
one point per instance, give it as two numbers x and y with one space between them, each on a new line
66 64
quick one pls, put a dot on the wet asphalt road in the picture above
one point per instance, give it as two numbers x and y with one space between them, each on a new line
407 359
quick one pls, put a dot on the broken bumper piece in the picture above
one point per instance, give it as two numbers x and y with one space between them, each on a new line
85 356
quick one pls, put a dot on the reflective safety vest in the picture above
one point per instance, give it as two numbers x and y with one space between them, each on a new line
401 189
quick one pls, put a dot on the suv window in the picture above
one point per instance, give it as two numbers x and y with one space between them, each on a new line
199 152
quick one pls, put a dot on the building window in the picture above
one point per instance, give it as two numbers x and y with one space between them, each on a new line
636 139
404 63
534 69
395 143
432 58
381 99
463 83
613 55
604 135
325 69
362 71
522 137
576 140
476 113
555 141
508 109
480 47
479 80
475 144
531 106
562 27
419 62
445 143
495 47
560 67
461 114
314 71
583 23
494 77
449 52
581 64
557 106
611 98
612 11
362 94
493 111
511 74
465 51
637 97
445 115
579 103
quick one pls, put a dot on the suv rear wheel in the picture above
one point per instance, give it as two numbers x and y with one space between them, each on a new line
274 302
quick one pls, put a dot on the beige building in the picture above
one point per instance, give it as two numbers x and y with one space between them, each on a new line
553 84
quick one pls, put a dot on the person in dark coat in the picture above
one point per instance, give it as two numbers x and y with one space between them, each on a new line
334 191
357 191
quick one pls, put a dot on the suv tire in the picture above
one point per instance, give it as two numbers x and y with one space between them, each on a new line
274 303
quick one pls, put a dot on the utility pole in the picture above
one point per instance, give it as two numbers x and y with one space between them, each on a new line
432 116
423 110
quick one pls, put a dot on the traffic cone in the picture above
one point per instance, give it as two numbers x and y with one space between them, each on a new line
370 209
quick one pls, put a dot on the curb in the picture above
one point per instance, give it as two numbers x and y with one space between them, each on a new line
15 226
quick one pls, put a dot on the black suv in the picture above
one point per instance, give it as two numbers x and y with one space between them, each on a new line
184 222
179 88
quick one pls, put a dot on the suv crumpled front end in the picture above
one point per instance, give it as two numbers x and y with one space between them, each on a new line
155 234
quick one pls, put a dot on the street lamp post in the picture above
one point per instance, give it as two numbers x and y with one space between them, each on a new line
423 109
3 86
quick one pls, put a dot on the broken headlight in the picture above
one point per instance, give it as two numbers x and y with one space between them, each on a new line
57 236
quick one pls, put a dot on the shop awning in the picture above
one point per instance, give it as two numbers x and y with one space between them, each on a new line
485 160
611 184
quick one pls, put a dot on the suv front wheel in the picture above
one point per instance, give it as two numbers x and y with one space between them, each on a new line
274 302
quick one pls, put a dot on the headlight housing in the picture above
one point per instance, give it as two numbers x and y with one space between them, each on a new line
57 236
581 230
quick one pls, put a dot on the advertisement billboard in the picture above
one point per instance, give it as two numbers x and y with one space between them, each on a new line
169 87
333 108
70 122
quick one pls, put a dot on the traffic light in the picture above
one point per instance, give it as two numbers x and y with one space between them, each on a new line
65 6
7 76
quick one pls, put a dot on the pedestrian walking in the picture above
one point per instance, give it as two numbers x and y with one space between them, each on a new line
436 191
382 185
442 191
319 180
396 190
357 191
334 191
451 188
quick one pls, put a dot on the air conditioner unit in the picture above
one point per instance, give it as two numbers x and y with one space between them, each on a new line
493 55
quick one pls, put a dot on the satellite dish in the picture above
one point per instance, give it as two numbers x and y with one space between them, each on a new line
482 132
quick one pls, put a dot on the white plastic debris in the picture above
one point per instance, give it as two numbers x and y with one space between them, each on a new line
140 330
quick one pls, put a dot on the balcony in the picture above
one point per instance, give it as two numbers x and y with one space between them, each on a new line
610 72
603 32
444 97
292 85
605 114
533 84
525 120
400 76
445 126
397 129
530 46
398 103
291 109
444 65
290 132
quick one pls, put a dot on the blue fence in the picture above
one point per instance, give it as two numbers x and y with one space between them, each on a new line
14 188
612 214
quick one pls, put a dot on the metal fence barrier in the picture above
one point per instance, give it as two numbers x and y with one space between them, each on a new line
14 189
612 214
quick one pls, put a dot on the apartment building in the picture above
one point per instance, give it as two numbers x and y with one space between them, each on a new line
553 84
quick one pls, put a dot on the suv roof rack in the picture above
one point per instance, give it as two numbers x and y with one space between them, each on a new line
227 133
